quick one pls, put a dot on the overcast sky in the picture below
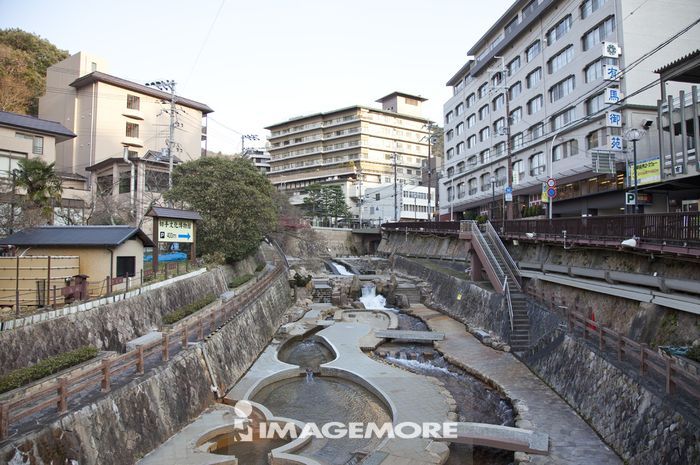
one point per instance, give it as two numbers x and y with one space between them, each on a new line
261 62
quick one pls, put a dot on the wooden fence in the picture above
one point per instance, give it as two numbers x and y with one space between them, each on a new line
651 363
57 394
27 280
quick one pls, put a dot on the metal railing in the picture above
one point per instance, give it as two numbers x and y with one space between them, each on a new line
513 269
506 291
476 234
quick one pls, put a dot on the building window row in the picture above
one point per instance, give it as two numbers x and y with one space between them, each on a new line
562 88
567 149
558 31
589 6
560 60
598 33
37 142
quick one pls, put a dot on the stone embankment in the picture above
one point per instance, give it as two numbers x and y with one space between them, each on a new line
123 426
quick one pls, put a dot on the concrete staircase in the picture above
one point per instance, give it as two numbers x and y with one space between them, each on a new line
520 336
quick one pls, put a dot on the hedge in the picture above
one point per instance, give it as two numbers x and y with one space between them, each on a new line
48 366
239 280
182 312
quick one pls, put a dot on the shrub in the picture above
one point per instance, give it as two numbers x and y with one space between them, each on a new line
48 366
182 312
482 219
239 280
301 281
260 267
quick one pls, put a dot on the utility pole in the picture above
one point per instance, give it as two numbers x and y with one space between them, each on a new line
165 86
359 179
396 195
509 169
431 126
243 139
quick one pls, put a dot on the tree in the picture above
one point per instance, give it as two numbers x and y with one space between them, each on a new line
335 205
43 189
313 202
24 59
234 199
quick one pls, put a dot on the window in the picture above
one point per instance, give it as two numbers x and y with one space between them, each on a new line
156 181
518 171
133 102
515 90
450 171
471 121
500 149
471 141
471 100
567 149
448 117
534 105
499 102
536 131
596 138
460 149
513 65
37 142
104 184
460 190
450 194
595 104
558 31
450 153
516 115
483 112
125 182
471 161
459 109
598 33
484 134
561 89
499 127
485 156
126 266
562 119
501 176
533 50
377 196
460 129
537 165
589 6
594 71
529 8
496 79
449 135
510 27
9 162
485 182
483 90
473 186
517 140
534 78
560 60
132 130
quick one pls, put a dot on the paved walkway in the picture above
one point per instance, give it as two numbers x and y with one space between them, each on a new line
572 441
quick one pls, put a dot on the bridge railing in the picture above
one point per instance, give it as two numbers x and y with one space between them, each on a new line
672 228
57 393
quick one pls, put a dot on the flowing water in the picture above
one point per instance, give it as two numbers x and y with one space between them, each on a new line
371 300
322 400
308 352
342 270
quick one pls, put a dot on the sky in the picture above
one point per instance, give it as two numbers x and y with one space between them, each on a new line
257 63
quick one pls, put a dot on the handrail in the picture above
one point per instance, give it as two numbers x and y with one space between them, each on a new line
476 233
506 290
503 252
62 388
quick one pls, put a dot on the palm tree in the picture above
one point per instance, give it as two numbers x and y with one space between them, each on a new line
42 184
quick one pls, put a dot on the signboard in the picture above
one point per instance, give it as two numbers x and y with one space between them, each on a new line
615 143
611 73
603 162
544 196
611 50
552 192
551 182
642 198
612 95
175 230
613 119
648 171
509 193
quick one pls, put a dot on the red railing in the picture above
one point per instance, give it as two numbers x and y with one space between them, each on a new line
650 362
58 393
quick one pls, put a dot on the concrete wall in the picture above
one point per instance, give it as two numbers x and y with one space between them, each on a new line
110 326
122 427
417 245
641 427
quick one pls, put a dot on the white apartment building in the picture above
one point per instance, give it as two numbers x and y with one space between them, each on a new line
534 103
411 203
259 157
120 125
355 147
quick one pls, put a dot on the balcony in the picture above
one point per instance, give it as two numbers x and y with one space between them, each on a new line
133 113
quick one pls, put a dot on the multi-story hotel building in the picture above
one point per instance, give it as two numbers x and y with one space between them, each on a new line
534 102
122 130
356 147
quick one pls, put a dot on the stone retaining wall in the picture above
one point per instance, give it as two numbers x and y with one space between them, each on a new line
122 427
641 427
420 245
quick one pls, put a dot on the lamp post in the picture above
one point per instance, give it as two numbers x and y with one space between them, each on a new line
493 196
634 135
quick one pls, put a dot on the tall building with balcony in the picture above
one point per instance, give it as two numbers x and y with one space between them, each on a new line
550 91
259 157
356 148
119 124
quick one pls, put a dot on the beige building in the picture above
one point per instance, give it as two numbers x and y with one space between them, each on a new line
120 124
354 147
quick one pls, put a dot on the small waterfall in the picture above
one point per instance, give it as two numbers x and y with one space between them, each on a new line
309 375
371 300
342 270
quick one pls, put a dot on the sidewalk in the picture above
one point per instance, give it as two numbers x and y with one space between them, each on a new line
572 441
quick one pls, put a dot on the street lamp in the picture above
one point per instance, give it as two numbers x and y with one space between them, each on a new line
493 195
634 135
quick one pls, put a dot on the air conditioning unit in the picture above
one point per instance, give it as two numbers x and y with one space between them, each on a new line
678 169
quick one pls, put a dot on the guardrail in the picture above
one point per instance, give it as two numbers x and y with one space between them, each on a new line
503 252
58 394
651 363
